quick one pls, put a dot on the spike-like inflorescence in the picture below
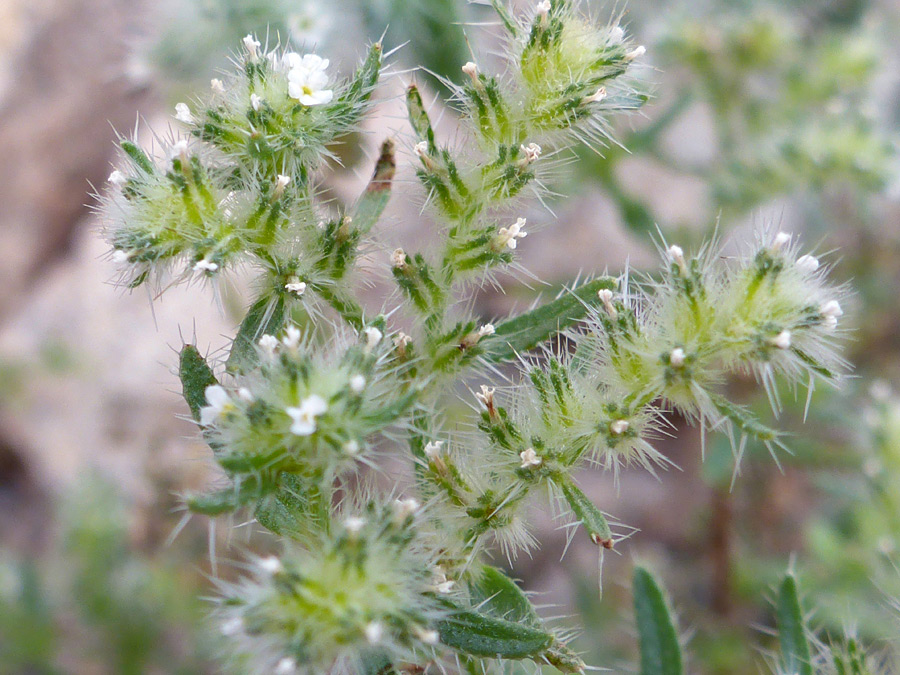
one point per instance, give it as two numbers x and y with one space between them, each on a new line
372 584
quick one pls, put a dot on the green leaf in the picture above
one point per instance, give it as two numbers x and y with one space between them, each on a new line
743 419
795 653
418 117
138 157
499 596
195 376
660 651
265 316
377 664
378 192
224 500
506 17
528 330
481 635
594 522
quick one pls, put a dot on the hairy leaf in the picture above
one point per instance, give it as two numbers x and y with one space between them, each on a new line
528 330
660 651
266 315
594 522
196 376
795 653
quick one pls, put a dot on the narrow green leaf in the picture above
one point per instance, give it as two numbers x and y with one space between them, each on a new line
795 653
378 192
138 157
594 522
506 17
499 596
224 500
743 419
660 651
265 316
195 376
528 330
418 117
481 635
377 664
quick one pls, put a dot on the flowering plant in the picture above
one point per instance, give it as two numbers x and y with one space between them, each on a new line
316 387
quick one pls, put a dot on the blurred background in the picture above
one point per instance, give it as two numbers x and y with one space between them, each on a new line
784 112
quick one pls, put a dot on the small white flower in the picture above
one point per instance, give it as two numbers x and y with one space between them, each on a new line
295 286
485 330
421 149
779 241
373 337
404 508
636 53
440 582
307 79
543 8
401 339
233 626
351 448
117 178
616 35
354 525
255 101
676 255
606 297
205 265
471 70
782 340
507 236
217 86
433 449
179 149
486 396
251 45
245 395
831 310
532 152
596 97
530 458
398 258
286 666
218 402
183 113
291 338
282 182
120 257
268 343
808 263
270 565
374 632
305 415
676 357
619 427
357 384
429 637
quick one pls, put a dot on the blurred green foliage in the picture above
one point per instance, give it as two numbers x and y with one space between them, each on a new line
96 602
